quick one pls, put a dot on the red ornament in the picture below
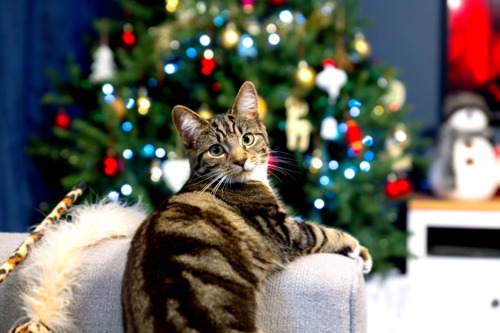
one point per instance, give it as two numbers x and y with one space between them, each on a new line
398 188
112 166
62 119
353 137
128 36
207 66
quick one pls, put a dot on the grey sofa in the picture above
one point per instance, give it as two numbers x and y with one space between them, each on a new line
320 293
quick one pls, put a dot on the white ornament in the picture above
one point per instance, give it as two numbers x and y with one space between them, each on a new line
331 79
298 129
465 166
329 129
395 96
175 173
103 67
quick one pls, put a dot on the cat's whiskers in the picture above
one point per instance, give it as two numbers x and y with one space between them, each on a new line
216 179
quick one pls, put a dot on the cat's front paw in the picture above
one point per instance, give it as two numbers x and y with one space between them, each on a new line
361 251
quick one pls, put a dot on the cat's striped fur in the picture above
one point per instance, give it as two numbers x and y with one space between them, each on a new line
197 263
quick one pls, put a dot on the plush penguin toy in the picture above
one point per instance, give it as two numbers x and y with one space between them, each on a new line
465 165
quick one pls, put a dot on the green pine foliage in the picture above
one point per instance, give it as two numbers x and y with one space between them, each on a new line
103 125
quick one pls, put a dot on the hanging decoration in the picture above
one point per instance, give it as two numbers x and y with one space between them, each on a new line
62 119
128 36
305 75
118 107
361 46
112 165
175 173
230 36
329 128
331 79
298 128
395 96
353 137
103 68
397 188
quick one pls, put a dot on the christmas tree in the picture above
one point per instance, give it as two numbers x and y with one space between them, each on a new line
336 119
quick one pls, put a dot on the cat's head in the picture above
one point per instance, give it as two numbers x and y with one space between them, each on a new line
231 147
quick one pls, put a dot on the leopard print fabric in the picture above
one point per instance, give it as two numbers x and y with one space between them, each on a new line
23 250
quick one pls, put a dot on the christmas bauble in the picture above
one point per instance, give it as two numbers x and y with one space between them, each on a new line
118 107
112 165
262 106
305 75
230 36
62 119
398 188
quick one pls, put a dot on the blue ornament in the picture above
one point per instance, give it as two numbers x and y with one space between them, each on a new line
354 103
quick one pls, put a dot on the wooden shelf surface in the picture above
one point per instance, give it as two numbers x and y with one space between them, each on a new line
421 201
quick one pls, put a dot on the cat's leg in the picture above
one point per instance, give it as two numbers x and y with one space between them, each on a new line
308 238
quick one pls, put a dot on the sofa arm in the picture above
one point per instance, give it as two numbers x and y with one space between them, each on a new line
318 293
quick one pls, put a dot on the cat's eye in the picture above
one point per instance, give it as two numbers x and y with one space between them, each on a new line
216 150
248 139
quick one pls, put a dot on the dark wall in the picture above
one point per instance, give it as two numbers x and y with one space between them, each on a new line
408 34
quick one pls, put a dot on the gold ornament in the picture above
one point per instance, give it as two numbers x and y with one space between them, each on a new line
262 106
118 107
205 112
304 75
230 36
361 46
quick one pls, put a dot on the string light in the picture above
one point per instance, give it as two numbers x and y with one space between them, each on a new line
286 16
127 126
205 40
113 196
350 173
319 203
274 39
171 68
128 154
130 103
156 172
333 165
324 180
364 166
160 153
171 5
126 189
148 150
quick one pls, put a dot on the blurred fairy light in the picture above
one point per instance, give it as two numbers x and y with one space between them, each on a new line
174 45
144 104
286 16
156 171
109 99
319 203
148 150
191 52
127 126
160 153
364 166
205 40
333 165
271 28
273 39
208 54
126 189
107 89
130 103
400 135
171 68
342 128
316 163
367 141
354 112
350 173
171 5
128 154
113 196
324 180
369 155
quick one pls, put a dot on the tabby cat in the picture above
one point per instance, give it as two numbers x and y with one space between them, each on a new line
197 263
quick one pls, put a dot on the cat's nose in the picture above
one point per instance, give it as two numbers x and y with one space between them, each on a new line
241 161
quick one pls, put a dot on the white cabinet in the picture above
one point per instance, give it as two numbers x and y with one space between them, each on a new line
455 276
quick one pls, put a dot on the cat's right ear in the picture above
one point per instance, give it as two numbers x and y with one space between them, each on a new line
188 123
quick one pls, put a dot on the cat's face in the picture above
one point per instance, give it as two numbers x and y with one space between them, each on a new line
228 148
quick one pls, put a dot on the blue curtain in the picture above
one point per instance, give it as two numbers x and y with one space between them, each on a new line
34 36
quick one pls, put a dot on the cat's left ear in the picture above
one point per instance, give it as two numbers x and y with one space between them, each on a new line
246 102
188 123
